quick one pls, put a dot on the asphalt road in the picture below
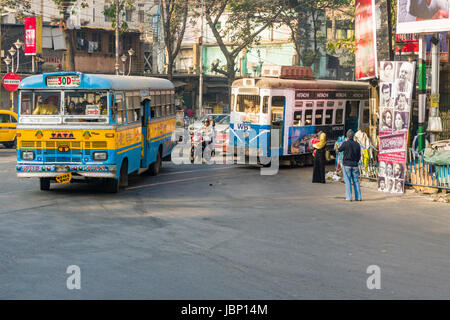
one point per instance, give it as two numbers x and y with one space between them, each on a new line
218 232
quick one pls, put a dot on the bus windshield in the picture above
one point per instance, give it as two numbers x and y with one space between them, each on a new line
76 104
40 103
87 103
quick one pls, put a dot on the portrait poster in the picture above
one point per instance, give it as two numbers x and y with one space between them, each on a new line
396 88
423 16
365 35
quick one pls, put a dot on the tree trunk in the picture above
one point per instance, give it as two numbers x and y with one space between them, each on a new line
70 59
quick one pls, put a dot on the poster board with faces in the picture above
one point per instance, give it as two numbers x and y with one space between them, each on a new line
396 89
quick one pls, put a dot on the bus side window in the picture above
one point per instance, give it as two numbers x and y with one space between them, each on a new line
130 109
298 118
308 117
152 112
265 108
119 109
329 116
319 117
339 116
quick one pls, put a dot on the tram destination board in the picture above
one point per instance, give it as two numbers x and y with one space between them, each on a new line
334 94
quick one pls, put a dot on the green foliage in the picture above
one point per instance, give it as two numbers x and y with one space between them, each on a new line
305 19
19 7
110 12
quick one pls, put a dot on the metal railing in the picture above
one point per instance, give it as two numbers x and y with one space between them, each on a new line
368 165
422 173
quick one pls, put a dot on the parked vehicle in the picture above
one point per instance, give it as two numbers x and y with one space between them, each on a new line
8 122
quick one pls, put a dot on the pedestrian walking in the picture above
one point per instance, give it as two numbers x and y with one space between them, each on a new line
319 159
352 155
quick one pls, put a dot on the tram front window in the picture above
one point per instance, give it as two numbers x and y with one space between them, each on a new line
250 105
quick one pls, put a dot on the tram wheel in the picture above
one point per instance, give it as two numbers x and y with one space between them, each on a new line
44 184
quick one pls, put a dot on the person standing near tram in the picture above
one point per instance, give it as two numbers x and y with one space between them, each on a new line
352 155
319 159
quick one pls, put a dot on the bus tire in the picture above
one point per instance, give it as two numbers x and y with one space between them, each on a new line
155 167
112 185
44 184
123 176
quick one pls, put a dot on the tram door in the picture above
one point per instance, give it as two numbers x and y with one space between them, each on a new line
351 115
276 117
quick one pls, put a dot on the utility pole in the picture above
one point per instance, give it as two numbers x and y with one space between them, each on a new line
434 122
200 85
422 92
116 65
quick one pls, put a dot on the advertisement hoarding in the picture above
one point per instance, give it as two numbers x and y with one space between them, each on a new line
365 36
423 16
33 35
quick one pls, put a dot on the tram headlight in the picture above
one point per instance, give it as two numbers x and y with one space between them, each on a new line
100 155
27 155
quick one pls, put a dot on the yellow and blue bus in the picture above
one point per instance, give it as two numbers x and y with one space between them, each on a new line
74 126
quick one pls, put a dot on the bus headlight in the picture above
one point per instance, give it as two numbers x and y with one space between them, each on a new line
100 155
27 155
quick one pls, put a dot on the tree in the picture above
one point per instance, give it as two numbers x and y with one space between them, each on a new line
305 19
65 7
174 17
236 24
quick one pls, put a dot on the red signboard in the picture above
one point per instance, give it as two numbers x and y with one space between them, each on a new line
11 81
365 36
33 35
407 43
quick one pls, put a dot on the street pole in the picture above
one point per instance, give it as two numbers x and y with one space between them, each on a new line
116 65
200 85
434 124
422 92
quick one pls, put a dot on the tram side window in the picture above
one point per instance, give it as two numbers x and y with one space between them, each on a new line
330 104
298 118
265 108
339 116
365 116
329 116
319 117
278 101
308 117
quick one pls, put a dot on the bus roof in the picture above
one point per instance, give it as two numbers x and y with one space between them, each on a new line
99 81
275 83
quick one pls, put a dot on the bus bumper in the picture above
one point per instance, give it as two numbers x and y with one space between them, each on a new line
51 171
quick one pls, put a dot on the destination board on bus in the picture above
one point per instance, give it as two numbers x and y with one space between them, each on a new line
63 81
356 94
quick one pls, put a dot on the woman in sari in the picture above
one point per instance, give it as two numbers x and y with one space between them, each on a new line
319 159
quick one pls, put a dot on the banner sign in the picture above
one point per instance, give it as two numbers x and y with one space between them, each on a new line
407 43
423 16
365 36
443 47
33 35
317 95
63 81
396 87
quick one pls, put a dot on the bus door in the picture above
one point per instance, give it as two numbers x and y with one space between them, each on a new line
145 112
277 117
351 115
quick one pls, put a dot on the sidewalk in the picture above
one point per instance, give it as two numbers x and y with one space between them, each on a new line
410 192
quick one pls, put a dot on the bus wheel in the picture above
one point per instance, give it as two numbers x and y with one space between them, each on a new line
44 184
123 177
155 167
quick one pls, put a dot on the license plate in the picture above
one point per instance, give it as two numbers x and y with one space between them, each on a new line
64 178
